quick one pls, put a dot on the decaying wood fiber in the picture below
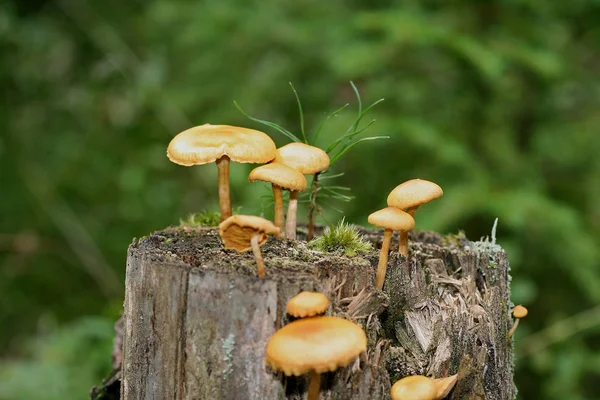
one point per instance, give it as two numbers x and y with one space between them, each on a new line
197 319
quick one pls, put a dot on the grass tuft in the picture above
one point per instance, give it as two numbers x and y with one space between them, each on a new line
343 238
202 218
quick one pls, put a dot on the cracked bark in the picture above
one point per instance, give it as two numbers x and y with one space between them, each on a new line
197 319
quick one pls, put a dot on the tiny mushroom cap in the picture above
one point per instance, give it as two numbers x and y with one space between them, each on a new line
318 344
306 159
237 231
520 312
207 143
307 304
415 387
413 193
280 175
393 219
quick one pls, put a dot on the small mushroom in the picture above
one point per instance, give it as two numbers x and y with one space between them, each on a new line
209 143
307 304
409 196
308 160
315 345
281 177
418 387
391 219
247 232
518 312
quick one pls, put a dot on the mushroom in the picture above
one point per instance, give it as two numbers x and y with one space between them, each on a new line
280 176
518 312
409 196
308 160
418 387
209 143
391 219
307 304
315 345
247 232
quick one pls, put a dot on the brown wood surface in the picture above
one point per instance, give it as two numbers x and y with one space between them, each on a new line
197 319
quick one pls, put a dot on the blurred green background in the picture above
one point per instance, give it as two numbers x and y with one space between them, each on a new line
497 101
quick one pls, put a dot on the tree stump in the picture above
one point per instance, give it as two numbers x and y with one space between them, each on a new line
197 319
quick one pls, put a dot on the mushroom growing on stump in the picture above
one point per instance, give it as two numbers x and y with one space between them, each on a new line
315 345
418 387
247 232
308 160
391 219
518 312
281 177
409 196
209 143
307 304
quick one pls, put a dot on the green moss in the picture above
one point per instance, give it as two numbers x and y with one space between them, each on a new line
343 238
203 218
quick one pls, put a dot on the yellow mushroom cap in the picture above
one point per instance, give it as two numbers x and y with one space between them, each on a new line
307 304
520 312
319 344
306 159
237 231
392 218
413 193
281 175
415 387
207 143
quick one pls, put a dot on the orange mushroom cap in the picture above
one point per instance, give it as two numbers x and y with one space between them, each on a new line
415 387
413 193
281 175
237 231
317 344
307 304
207 143
520 312
303 157
392 218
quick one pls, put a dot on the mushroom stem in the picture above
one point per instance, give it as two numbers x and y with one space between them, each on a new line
290 223
314 386
514 328
403 246
279 212
224 196
313 206
260 264
383 259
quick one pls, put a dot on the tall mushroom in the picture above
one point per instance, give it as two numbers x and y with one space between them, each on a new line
309 160
518 312
209 143
315 345
409 196
391 219
247 232
281 177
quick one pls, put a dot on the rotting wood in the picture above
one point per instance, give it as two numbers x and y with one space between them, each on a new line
197 318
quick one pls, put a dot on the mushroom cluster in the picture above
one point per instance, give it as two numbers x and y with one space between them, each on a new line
314 345
402 203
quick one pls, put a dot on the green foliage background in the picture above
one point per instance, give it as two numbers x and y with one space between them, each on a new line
497 101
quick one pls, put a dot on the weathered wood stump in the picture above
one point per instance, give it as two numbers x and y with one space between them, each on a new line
197 319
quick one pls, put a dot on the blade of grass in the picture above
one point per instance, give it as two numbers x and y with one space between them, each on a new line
333 114
301 113
273 125
350 135
351 145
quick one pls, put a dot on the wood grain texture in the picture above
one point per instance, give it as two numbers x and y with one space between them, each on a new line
197 319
